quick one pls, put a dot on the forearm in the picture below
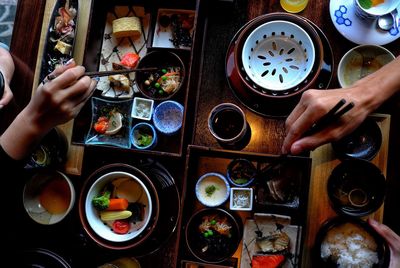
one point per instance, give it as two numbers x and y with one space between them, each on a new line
21 137
379 86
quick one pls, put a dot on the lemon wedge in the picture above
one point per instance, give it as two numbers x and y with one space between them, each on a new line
114 124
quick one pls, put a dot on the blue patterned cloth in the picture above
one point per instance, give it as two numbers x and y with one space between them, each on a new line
7 15
4 46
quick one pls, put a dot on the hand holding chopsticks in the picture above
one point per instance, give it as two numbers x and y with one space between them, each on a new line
332 116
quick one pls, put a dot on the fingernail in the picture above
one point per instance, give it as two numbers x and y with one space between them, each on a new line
1 106
69 62
96 78
295 149
373 222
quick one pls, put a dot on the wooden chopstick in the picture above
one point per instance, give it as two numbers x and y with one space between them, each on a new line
332 116
124 71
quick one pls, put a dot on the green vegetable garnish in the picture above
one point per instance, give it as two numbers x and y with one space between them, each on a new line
157 85
164 71
205 234
241 181
210 189
144 140
102 201
213 222
164 78
161 91
365 3
210 232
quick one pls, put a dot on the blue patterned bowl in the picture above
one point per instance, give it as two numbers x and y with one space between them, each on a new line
168 117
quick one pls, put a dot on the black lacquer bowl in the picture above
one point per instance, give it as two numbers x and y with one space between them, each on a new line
213 244
356 188
363 143
345 239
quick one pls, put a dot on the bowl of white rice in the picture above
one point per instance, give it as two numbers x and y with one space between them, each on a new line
350 243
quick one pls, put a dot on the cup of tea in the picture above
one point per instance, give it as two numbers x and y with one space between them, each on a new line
374 9
227 123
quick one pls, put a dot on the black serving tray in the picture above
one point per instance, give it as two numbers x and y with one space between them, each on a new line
201 160
167 145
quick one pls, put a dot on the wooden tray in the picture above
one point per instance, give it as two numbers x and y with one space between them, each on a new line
323 162
167 145
201 160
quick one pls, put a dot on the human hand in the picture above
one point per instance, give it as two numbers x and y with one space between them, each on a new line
312 106
59 100
7 69
7 95
391 238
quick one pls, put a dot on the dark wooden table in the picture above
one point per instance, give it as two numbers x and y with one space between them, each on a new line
270 134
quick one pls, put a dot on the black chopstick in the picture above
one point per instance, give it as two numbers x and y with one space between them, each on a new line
124 71
332 116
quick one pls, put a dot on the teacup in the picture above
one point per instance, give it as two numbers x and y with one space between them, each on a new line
227 123
368 11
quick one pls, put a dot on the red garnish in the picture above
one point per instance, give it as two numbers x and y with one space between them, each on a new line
121 226
101 125
267 261
130 60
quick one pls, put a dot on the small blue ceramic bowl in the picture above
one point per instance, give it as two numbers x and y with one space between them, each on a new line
143 136
212 189
168 117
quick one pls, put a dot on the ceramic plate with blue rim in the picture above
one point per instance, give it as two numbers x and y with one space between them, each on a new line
356 29
111 122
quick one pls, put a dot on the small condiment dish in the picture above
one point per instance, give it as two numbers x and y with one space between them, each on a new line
212 189
142 108
51 152
48 196
241 172
241 199
168 117
143 136
361 61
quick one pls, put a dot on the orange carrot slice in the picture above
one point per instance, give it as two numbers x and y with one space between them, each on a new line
118 204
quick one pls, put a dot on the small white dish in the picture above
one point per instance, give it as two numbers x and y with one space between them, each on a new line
212 189
241 199
142 108
357 30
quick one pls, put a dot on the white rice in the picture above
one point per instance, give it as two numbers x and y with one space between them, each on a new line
350 246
